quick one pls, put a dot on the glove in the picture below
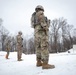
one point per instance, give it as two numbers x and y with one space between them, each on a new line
22 38
22 45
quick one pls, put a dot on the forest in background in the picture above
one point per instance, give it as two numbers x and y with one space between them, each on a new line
62 37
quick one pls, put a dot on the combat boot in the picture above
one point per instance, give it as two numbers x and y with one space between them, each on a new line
20 60
39 63
45 65
6 56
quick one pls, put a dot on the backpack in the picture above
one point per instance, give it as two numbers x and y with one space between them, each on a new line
33 20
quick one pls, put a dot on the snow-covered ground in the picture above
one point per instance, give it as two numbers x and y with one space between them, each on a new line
65 64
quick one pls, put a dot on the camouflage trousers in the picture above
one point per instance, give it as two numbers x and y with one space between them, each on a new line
41 46
19 52
7 52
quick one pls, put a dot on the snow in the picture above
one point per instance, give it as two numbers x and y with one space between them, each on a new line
65 64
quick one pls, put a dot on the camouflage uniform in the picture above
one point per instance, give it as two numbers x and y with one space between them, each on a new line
8 48
19 46
41 24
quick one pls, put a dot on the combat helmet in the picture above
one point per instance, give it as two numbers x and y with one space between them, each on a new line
39 7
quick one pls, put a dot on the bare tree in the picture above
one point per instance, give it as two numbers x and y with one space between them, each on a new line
13 44
60 35
74 36
66 35
68 31
24 46
31 46
63 22
3 34
55 26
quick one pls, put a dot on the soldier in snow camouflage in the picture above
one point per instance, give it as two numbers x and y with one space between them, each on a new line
41 24
8 48
19 46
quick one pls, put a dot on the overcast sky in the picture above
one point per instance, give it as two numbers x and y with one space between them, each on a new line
16 14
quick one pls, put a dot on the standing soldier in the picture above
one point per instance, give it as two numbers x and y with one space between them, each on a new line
41 24
8 47
19 46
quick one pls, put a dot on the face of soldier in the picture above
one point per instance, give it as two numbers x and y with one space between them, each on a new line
20 34
40 15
